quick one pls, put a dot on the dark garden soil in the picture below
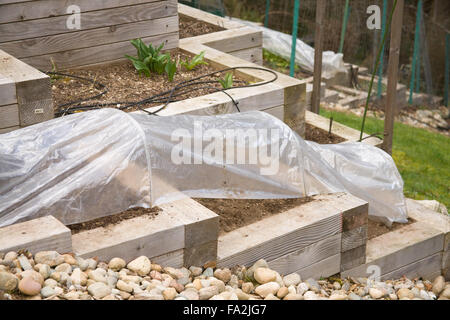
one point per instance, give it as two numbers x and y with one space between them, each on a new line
233 214
237 213
124 84
321 136
114 219
190 27
375 229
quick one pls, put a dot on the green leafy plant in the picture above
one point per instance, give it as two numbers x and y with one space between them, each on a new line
171 69
150 59
227 82
195 61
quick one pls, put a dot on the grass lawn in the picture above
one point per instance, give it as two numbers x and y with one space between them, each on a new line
421 156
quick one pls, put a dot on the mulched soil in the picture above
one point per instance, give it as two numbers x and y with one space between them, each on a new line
375 229
321 136
114 219
190 27
124 84
236 213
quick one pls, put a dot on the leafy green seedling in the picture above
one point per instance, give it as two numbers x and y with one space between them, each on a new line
150 59
140 66
160 62
195 61
171 68
227 82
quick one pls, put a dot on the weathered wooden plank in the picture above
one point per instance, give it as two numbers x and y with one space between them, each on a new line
253 55
280 234
207 17
91 20
428 268
102 53
221 60
17 70
400 248
355 218
338 129
9 116
307 256
149 237
277 112
11 10
12 1
7 91
88 38
294 91
256 98
438 221
354 211
201 230
41 234
172 259
322 269
446 265
201 224
32 91
352 258
230 40
200 254
295 107
354 238
35 101
6 130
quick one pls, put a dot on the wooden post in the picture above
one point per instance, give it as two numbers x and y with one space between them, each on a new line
394 52
318 48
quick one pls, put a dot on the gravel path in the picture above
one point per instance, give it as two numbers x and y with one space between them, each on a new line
52 276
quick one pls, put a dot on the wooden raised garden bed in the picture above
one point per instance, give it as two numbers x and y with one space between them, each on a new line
107 40
317 238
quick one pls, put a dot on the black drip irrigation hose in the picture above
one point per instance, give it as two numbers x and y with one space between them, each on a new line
166 97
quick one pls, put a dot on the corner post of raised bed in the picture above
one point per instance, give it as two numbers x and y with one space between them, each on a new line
40 234
200 242
294 107
201 231
354 236
26 94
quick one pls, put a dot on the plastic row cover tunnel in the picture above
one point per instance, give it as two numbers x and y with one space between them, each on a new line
93 164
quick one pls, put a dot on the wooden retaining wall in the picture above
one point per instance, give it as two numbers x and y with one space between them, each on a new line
37 31
317 239
339 130
307 239
420 249
247 47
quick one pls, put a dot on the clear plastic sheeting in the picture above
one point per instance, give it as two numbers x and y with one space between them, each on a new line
102 162
76 168
280 44
368 173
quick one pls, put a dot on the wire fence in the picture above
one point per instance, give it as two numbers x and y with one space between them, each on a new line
361 43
